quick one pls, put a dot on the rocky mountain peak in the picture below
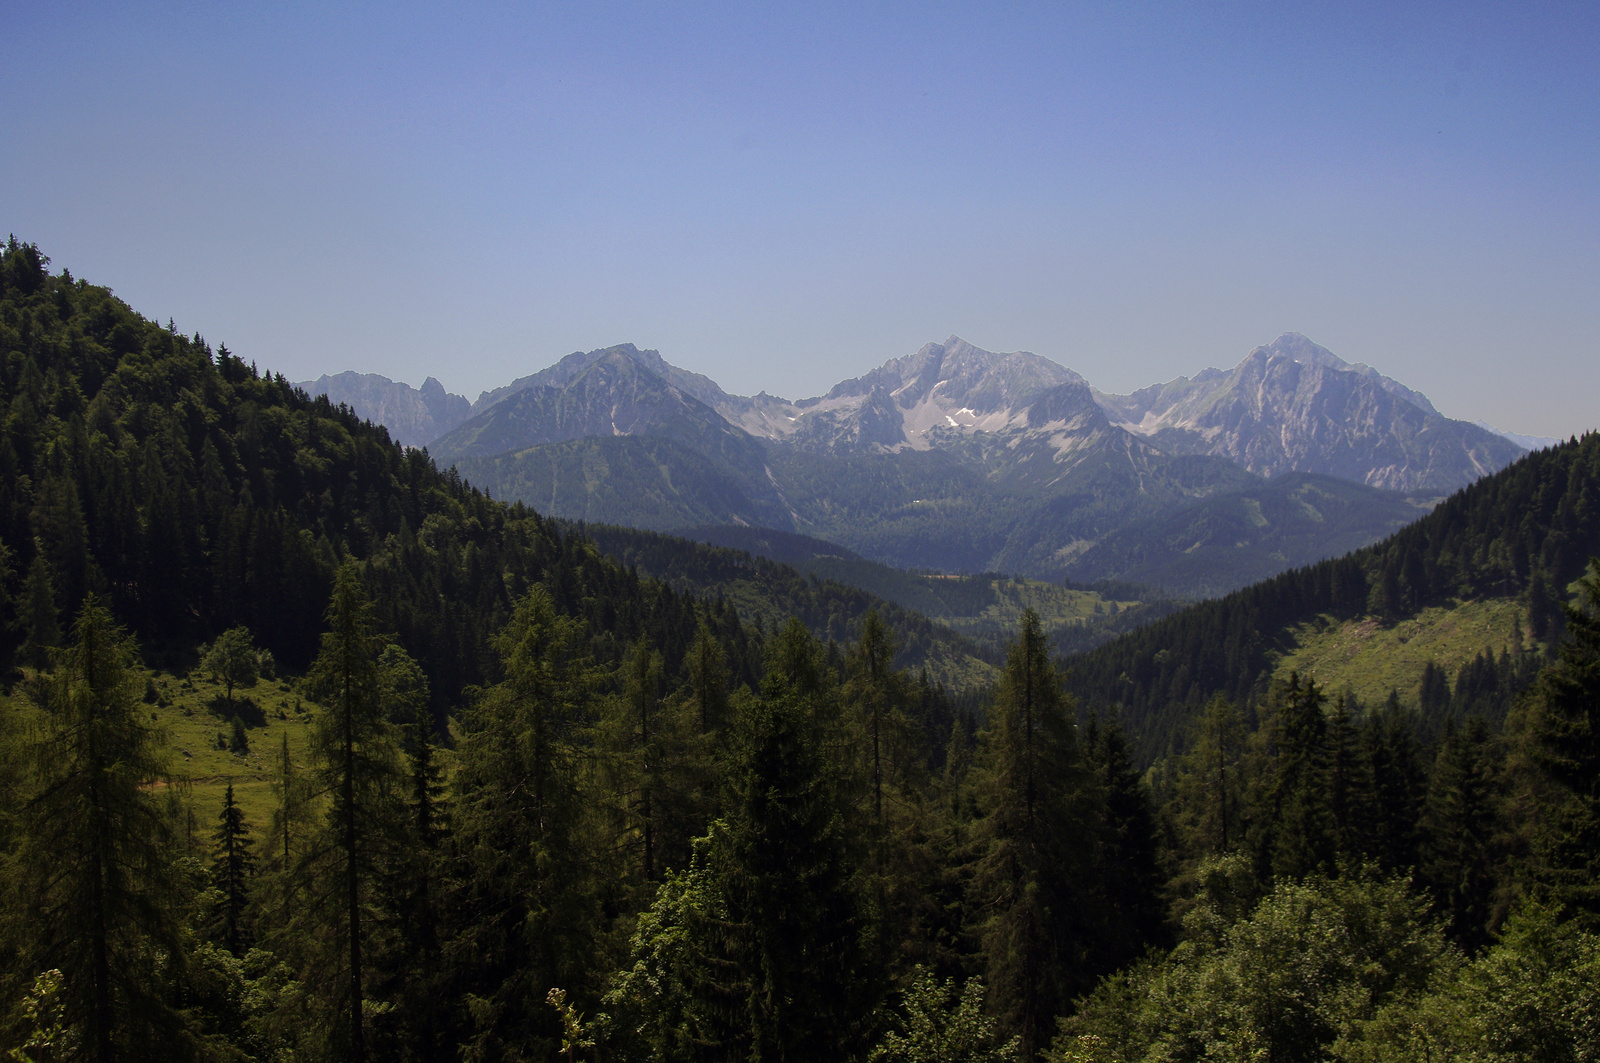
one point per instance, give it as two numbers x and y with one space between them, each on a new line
413 416
1293 406
1071 405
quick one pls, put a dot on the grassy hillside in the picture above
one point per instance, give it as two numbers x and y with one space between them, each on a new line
1005 599
1518 537
194 712
1368 658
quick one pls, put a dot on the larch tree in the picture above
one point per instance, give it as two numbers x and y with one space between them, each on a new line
356 765
96 860
707 663
876 695
520 815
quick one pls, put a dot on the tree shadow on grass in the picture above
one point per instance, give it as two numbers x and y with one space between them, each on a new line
249 712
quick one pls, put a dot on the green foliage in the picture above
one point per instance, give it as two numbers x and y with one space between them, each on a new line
943 1026
788 876
200 495
682 994
1241 537
232 867
1458 826
39 614
773 593
1530 997
433 880
44 1019
355 761
233 659
759 950
531 877
1301 976
1035 801
1566 735
93 867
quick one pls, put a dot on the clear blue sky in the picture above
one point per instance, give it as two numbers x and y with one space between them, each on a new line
783 196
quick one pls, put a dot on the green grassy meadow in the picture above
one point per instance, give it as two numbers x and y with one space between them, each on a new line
1056 605
1369 659
196 719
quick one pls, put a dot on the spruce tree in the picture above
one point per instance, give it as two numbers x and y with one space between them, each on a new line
1433 694
1352 795
1209 787
10 625
232 865
40 618
1128 872
1301 828
1399 786
1566 732
786 872
1036 832
407 969
1457 828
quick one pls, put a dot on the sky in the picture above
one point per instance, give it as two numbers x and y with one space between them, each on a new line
784 196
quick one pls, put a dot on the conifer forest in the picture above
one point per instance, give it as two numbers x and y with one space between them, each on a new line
311 751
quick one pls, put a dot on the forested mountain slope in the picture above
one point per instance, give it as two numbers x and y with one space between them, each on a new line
620 748
1239 538
770 593
197 494
1524 533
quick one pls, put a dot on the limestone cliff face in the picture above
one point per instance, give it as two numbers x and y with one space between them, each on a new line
1292 406
413 416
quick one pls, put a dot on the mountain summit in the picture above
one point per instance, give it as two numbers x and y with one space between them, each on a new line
1293 406
959 458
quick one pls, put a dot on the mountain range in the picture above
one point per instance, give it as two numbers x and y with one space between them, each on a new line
962 459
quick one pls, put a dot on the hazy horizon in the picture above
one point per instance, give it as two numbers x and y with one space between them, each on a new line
784 197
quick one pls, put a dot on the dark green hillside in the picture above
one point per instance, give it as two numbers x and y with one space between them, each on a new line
829 561
645 481
985 607
913 509
760 588
198 494
1239 538
1524 533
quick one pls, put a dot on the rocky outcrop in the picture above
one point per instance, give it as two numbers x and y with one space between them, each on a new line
1292 406
413 416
